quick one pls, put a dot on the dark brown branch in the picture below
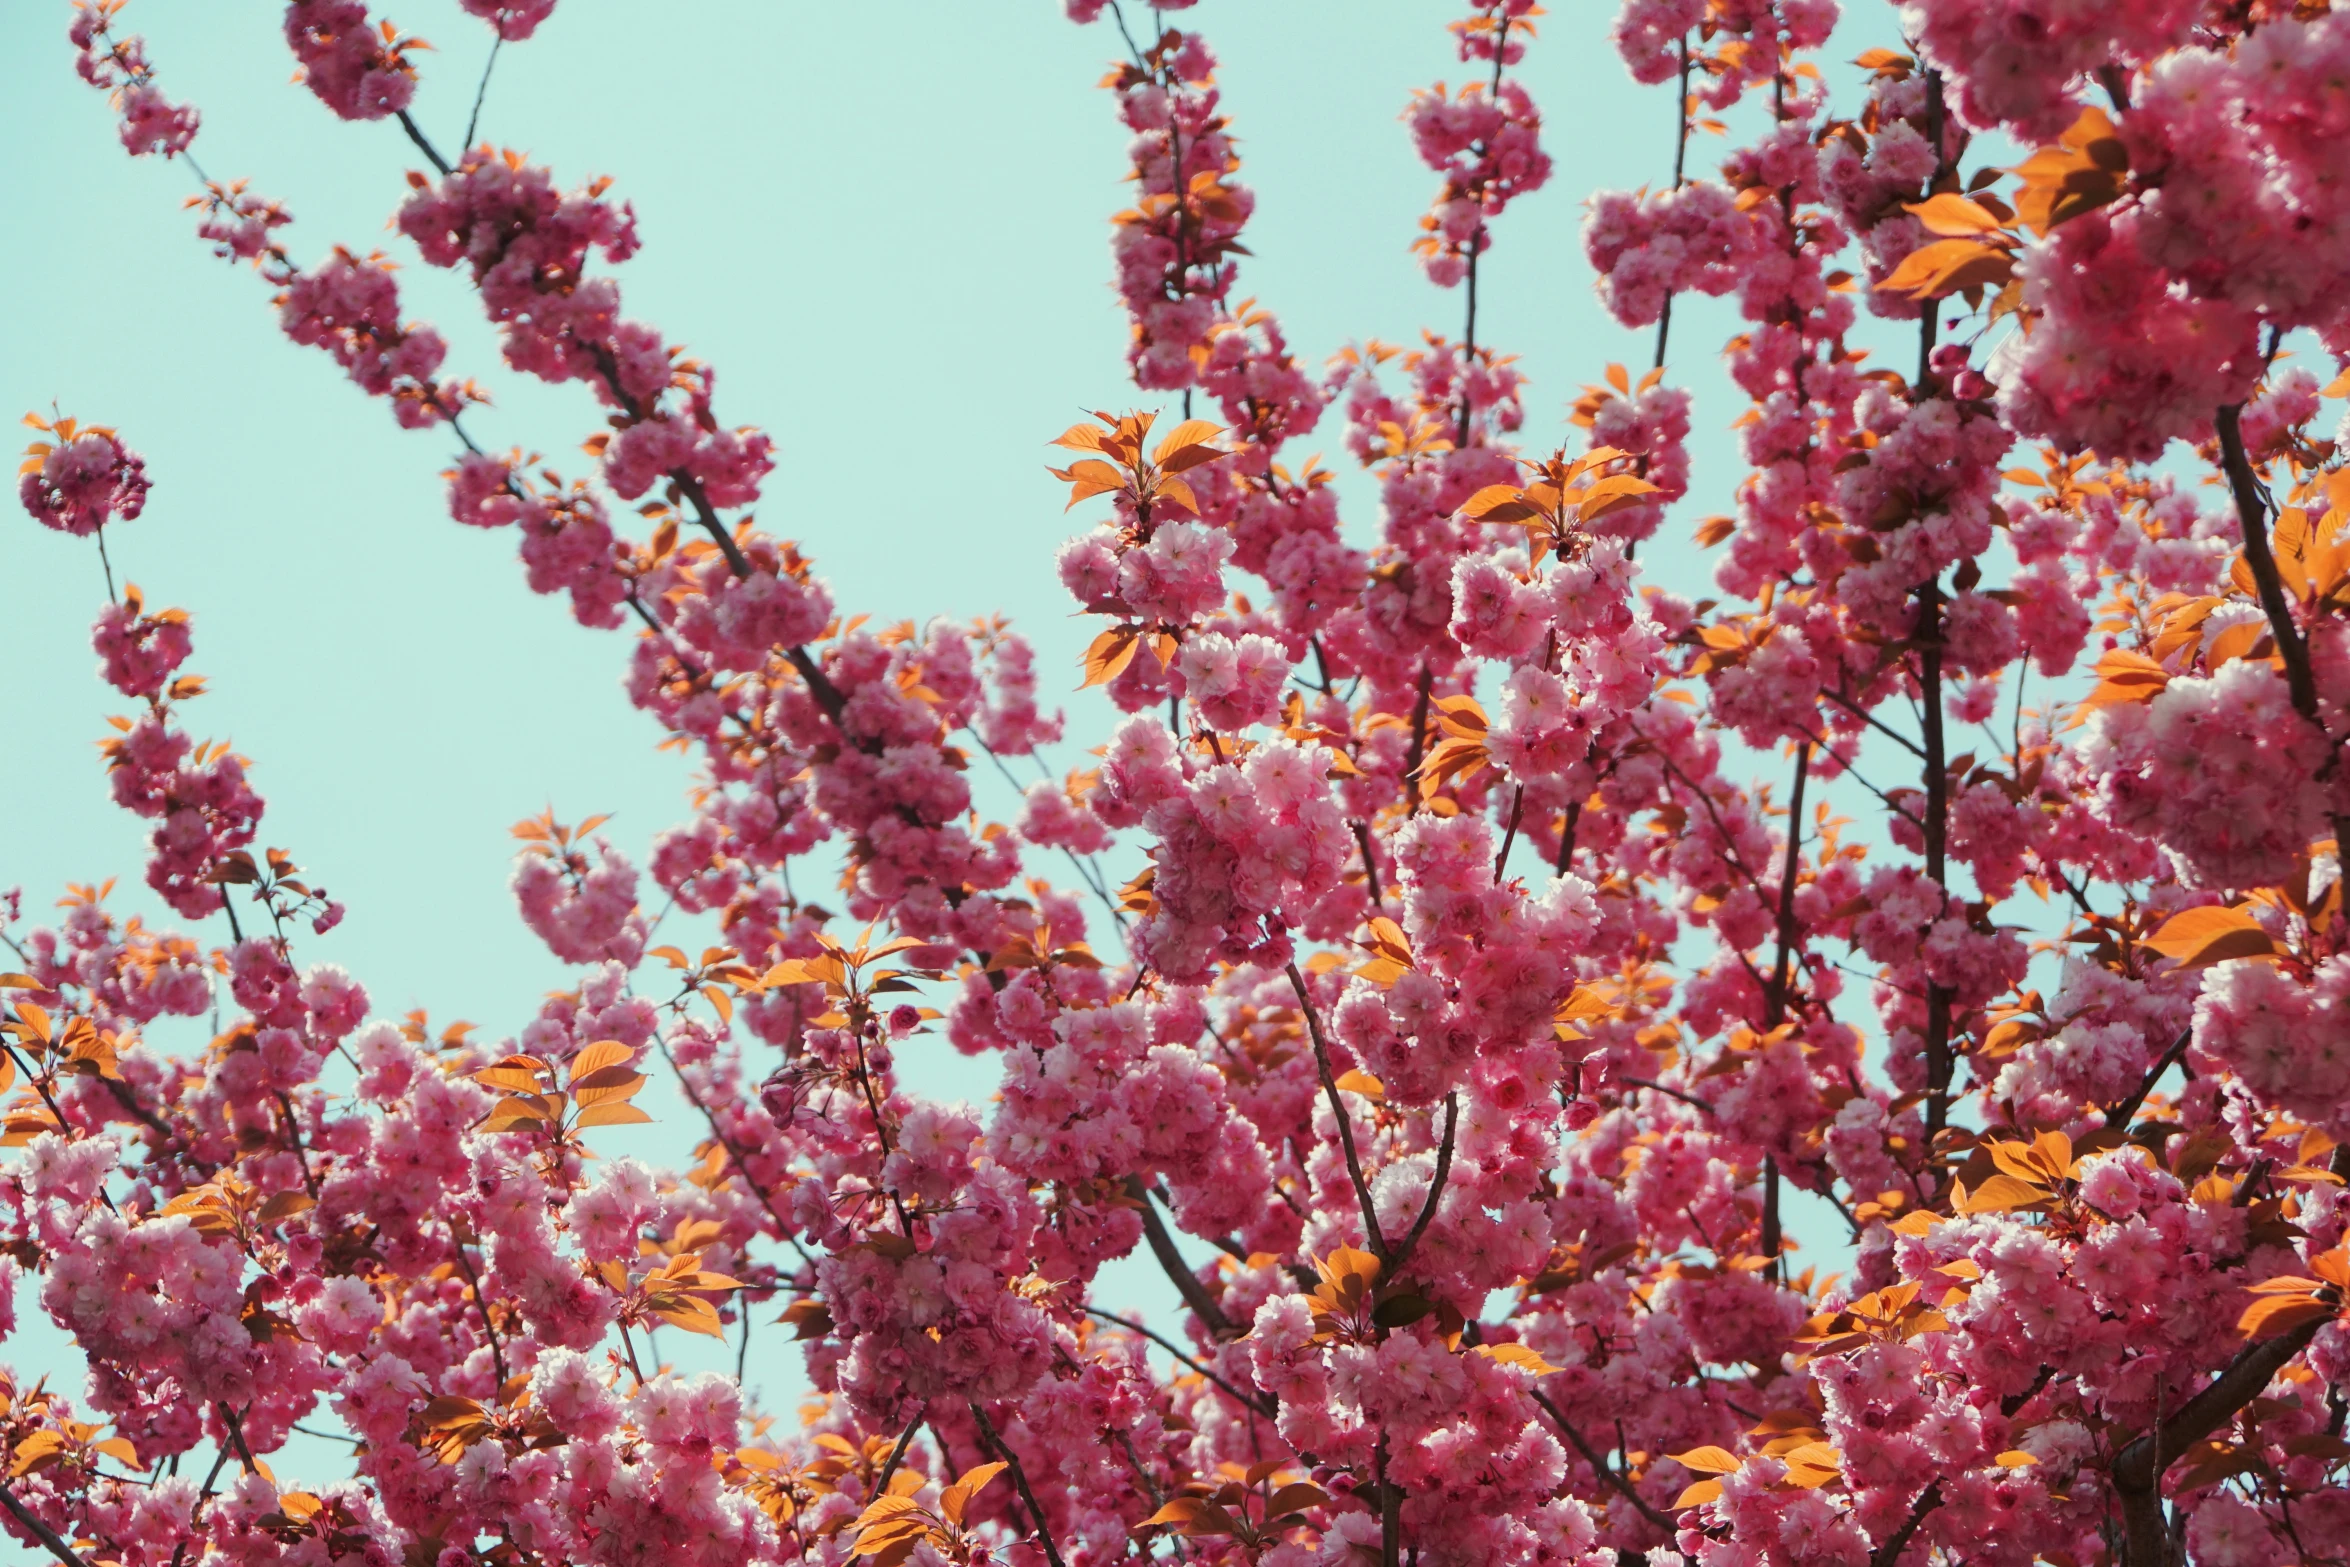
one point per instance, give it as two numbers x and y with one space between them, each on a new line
1664 317
1370 866
1162 1244
285 1103
1510 837
423 142
1775 996
481 1303
734 1155
2138 1469
1888 1553
1003 1450
897 1454
1775 999
482 92
1654 1086
1937 830
236 1436
2252 515
1419 746
691 488
1574 819
1263 1405
1874 722
2121 1114
49 1538
1403 1253
129 1100
1601 1467
1390 1508
1346 1135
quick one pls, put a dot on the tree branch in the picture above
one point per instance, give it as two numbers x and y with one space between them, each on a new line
2121 1114
1003 1450
423 142
2138 1468
481 1303
2252 514
1600 1466
49 1538
1262 1405
1888 1553
1162 1243
897 1454
1403 1253
1346 1135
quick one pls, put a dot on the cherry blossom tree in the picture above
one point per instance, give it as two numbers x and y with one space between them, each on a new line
1441 975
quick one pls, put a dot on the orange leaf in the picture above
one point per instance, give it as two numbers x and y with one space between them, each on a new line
601 1054
2266 1318
2199 938
2124 676
611 1115
1999 1193
1499 503
1109 655
1517 1355
1953 216
2080 175
1089 478
1949 266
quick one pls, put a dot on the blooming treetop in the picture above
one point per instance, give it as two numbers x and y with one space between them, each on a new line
1472 1008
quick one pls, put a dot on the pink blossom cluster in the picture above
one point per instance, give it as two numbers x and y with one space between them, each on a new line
512 20
1486 141
79 483
1173 248
2022 64
350 306
1466 952
1648 248
358 68
1652 36
150 121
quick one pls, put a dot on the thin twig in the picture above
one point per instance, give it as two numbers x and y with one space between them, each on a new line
1888 1553
1403 1253
2121 1114
423 142
1262 1405
734 1156
40 1531
1602 1468
897 1454
1003 1450
1162 1244
483 91
1874 722
1657 1087
1346 1136
481 1303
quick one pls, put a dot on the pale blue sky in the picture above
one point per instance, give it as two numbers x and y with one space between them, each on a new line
887 228
888 232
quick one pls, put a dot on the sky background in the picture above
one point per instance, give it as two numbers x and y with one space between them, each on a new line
887 230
